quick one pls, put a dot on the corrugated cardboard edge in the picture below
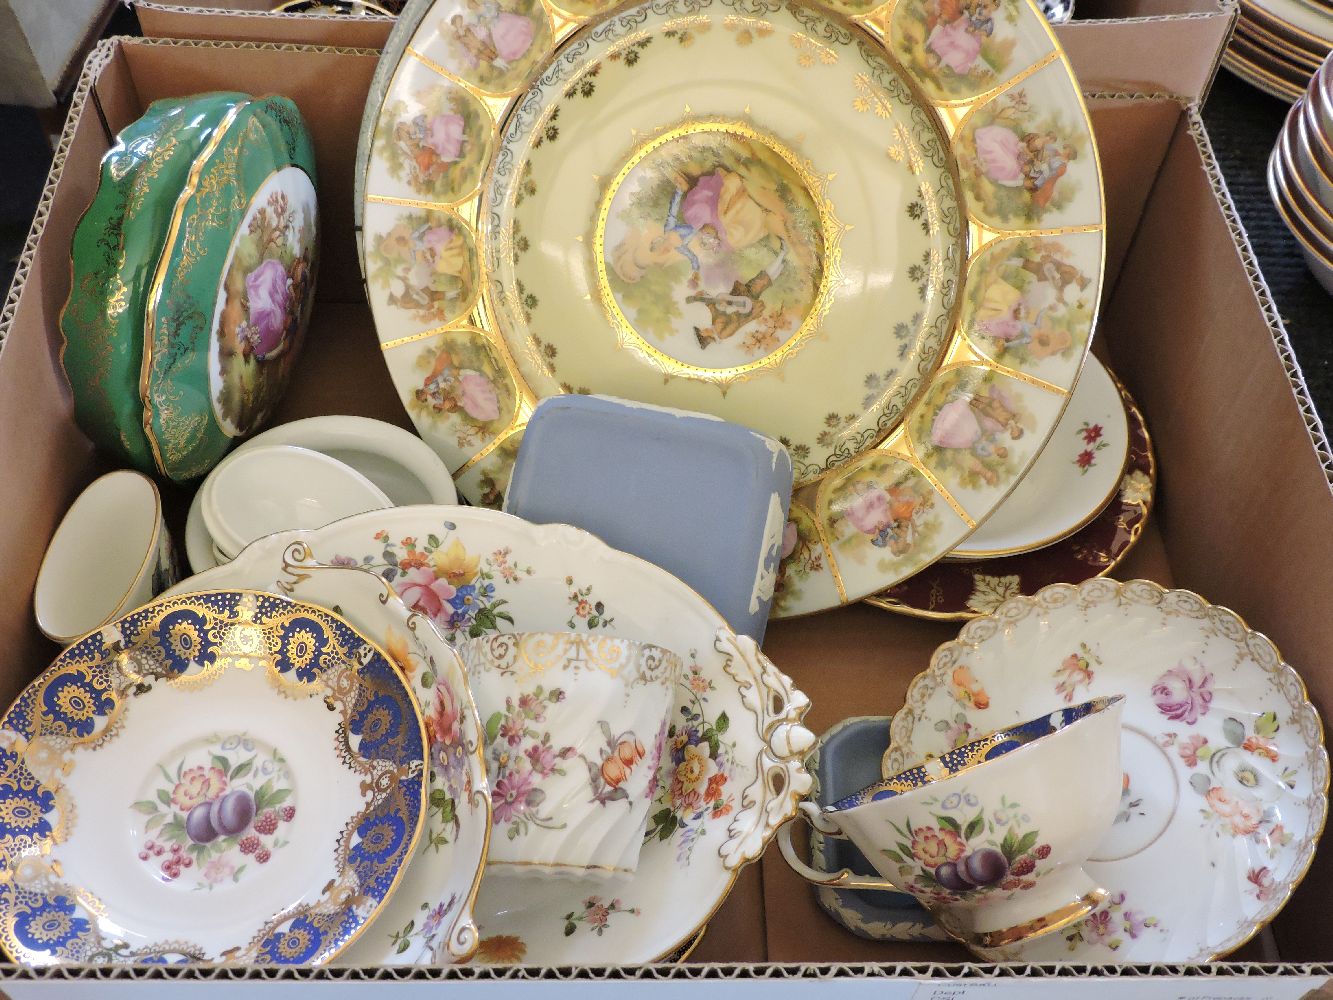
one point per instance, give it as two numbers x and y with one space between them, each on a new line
279 14
1228 7
1227 10
1313 423
688 973
163 20
96 62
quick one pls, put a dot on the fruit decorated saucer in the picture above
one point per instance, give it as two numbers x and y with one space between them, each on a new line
733 766
645 203
429 920
1225 772
1075 477
219 777
960 589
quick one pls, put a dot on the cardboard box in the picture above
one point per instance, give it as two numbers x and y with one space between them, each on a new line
1117 46
1149 46
255 21
42 46
1244 515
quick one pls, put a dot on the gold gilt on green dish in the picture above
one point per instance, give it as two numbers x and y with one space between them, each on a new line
115 251
231 296
193 271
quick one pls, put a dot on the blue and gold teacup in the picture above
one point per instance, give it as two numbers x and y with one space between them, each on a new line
992 836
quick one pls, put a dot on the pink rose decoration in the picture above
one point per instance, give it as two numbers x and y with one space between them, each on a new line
442 722
444 134
790 536
1184 693
1189 748
477 396
1242 813
869 512
955 425
1262 880
270 293
1000 152
542 758
438 237
422 591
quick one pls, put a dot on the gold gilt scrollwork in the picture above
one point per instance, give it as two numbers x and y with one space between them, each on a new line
530 654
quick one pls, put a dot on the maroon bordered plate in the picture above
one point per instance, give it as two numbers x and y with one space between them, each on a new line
967 589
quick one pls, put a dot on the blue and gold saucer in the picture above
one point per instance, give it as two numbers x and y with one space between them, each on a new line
226 776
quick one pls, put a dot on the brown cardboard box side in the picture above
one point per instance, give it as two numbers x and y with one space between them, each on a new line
1203 365
252 21
1129 46
1245 497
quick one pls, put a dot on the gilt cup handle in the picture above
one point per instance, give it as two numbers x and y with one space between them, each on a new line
845 879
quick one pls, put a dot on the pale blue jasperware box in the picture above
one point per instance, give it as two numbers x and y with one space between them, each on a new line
701 497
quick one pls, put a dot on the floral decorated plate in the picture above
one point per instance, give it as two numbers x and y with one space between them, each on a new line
646 203
1075 477
231 294
219 777
960 589
429 920
733 768
1225 772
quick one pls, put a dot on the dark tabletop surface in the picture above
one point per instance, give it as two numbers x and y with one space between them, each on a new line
1242 121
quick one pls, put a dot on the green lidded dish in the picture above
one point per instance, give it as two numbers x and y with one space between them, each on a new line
113 257
227 307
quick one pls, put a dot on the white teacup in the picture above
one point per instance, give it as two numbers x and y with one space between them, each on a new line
990 837
110 555
575 725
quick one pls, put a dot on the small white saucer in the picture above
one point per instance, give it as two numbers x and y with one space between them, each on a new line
1072 481
397 461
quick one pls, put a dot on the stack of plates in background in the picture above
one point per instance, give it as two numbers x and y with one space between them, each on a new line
1300 174
1278 44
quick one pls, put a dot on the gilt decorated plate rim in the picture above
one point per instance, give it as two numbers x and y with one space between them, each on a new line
996 88
200 827
230 295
